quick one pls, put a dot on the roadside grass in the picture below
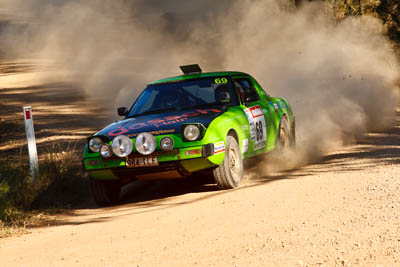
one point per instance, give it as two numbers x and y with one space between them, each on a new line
59 185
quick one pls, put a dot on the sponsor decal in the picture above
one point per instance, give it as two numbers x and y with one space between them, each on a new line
271 104
93 162
154 133
119 131
258 127
193 152
169 120
219 147
255 111
245 145
276 108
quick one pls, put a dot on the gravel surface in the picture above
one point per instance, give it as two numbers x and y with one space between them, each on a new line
341 211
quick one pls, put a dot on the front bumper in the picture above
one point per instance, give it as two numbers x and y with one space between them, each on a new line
172 164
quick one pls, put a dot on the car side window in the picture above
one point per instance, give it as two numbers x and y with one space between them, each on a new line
246 90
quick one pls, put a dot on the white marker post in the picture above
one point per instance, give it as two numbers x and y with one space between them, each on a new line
30 137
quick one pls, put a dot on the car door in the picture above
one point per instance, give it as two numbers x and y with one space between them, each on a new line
257 112
271 114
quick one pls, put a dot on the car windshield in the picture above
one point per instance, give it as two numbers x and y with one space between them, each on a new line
185 95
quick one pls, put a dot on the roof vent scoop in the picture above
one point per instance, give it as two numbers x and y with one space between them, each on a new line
189 69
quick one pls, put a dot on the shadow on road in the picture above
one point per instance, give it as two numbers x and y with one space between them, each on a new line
14 67
61 112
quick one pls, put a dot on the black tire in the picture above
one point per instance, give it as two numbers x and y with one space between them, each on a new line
105 193
285 140
229 174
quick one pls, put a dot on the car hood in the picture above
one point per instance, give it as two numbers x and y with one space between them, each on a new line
158 124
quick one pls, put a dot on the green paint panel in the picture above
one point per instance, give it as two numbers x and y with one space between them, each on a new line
196 164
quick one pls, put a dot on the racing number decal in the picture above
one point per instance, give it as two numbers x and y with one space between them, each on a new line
259 131
258 128
221 80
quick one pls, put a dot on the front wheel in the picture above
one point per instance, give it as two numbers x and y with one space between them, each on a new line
229 174
105 193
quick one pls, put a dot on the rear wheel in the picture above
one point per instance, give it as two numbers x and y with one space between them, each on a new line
285 140
105 193
229 174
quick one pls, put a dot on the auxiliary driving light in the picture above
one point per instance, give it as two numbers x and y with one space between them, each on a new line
145 143
167 143
106 151
95 144
122 146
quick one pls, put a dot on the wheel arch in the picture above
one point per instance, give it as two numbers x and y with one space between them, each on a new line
284 115
232 132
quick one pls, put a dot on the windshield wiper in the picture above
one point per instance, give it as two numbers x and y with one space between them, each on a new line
153 112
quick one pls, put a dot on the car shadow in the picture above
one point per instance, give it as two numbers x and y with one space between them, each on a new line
144 191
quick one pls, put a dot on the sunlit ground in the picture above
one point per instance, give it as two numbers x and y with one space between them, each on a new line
61 111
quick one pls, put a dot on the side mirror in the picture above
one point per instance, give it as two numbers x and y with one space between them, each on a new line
226 97
123 111
223 97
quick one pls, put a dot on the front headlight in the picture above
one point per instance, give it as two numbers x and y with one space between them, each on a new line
145 143
122 146
191 132
95 144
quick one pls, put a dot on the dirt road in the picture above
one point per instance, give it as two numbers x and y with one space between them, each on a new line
343 210
61 112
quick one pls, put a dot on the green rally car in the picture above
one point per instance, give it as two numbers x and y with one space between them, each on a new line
196 122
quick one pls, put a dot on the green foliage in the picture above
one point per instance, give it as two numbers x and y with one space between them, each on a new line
59 173
388 11
15 191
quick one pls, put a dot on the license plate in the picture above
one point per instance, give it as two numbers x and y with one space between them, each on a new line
141 162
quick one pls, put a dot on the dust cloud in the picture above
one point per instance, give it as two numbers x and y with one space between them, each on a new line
111 49
340 77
